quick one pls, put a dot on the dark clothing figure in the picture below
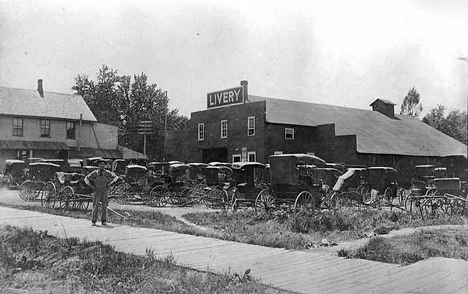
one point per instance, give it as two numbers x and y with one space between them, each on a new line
102 180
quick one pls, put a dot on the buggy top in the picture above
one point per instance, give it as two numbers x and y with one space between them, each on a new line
284 168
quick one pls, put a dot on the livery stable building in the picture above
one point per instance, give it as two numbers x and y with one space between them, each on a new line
237 126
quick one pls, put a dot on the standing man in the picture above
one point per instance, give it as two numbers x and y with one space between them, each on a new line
101 180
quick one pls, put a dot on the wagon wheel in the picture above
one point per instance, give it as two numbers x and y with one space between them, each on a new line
159 196
25 189
431 206
360 189
332 200
401 193
216 198
457 206
305 202
388 197
48 195
412 205
264 203
350 198
123 193
66 196
38 188
183 198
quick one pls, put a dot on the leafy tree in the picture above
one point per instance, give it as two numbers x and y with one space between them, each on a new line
411 105
124 102
454 124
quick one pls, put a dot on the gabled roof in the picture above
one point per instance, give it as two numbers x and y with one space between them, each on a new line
383 100
375 132
22 102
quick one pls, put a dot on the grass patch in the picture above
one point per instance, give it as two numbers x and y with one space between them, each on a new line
293 231
449 243
36 262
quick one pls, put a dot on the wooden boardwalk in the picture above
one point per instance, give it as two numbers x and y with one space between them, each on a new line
298 271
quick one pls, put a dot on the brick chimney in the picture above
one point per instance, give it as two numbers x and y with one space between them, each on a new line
40 89
385 107
244 85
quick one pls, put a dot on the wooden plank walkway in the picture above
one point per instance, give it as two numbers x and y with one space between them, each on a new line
298 271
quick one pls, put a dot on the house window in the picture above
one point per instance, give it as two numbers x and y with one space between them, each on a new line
289 134
45 128
224 129
70 130
251 156
236 158
18 127
251 126
201 132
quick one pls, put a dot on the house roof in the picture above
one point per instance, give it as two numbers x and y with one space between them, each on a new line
383 100
375 132
24 102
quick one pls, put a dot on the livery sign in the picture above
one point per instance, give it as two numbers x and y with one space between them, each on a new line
225 97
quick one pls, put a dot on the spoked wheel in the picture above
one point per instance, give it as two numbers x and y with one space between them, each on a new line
26 188
430 206
216 198
66 198
264 203
37 192
305 202
387 197
401 194
48 195
159 196
349 199
123 193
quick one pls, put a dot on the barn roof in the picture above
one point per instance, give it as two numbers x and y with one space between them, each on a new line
23 102
375 132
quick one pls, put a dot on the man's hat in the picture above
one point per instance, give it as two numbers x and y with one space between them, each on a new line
99 161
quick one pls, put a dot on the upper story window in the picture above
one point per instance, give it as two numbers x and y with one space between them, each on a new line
289 134
224 129
45 128
251 126
201 132
70 130
18 127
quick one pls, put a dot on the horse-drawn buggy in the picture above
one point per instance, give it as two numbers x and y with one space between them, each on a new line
13 174
294 183
347 189
382 187
135 185
37 174
250 179
446 193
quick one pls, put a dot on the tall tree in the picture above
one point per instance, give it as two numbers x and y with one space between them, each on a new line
124 102
453 125
411 104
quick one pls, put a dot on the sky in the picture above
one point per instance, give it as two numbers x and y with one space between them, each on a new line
345 53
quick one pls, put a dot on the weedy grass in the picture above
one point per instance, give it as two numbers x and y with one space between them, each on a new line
450 243
295 231
37 262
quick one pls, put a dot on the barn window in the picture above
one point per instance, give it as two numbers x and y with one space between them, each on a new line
201 132
289 134
251 126
224 129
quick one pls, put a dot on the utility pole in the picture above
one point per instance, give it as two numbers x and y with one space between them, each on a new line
145 128
165 124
